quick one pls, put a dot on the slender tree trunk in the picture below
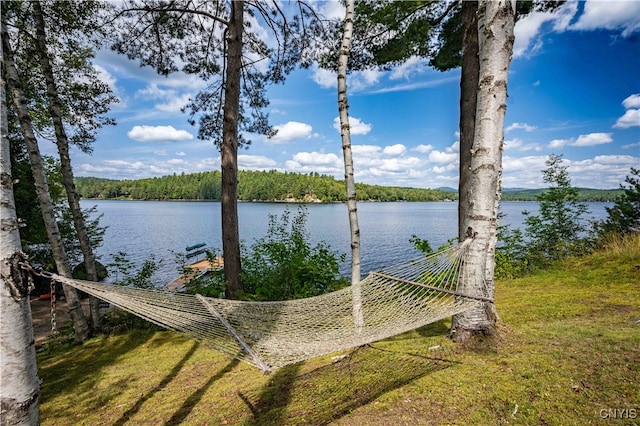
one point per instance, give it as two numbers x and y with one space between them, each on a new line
19 382
345 131
470 71
62 142
78 319
496 20
229 152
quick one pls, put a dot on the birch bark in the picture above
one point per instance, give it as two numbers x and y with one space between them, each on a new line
496 20
19 382
345 132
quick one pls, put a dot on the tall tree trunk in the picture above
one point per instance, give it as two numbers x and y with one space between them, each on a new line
470 71
229 153
345 131
20 389
62 142
78 319
496 20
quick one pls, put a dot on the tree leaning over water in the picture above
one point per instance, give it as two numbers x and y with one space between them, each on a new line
214 40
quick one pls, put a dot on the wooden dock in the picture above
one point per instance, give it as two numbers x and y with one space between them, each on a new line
198 268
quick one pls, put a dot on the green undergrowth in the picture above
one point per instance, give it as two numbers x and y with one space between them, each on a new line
568 354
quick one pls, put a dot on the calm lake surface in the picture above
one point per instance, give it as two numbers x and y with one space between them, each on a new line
159 228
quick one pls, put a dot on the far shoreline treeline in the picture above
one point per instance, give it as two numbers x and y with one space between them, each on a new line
275 186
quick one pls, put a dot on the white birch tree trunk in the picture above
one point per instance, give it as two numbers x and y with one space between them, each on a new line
345 131
19 382
496 20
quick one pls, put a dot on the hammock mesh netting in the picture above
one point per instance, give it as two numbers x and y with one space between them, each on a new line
270 335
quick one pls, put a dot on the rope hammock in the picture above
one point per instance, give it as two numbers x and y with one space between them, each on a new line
270 335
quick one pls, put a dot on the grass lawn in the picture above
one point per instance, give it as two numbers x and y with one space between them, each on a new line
568 354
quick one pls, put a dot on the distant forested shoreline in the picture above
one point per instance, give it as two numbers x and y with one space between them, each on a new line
274 186
252 186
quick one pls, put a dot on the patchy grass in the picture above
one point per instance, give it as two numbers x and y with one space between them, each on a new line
569 348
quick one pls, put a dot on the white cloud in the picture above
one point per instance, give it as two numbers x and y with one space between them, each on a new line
356 126
632 101
366 150
591 139
527 30
255 162
395 150
123 169
181 153
308 158
631 118
357 81
417 85
360 80
152 91
331 9
158 134
305 162
173 101
412 66
522 126
423 149
521 146
324 78
558 143
523 171
631 145
175 104
439 157
105 76
291 131
609 15
601 171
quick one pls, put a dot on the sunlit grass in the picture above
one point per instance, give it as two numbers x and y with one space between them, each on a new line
569 347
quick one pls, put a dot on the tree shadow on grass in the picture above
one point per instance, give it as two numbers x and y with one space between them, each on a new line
334 390
160 386
271 406
77 370
187 406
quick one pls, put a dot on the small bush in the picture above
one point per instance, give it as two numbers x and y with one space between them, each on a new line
125 275
624 217
283 265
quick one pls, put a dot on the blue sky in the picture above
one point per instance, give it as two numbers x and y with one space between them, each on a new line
574 90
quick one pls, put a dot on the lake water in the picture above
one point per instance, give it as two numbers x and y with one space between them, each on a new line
158 228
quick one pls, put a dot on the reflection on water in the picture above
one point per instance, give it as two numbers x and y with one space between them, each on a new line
158 228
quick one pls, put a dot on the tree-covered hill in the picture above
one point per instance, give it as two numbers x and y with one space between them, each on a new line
283 186
584 194
252 186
